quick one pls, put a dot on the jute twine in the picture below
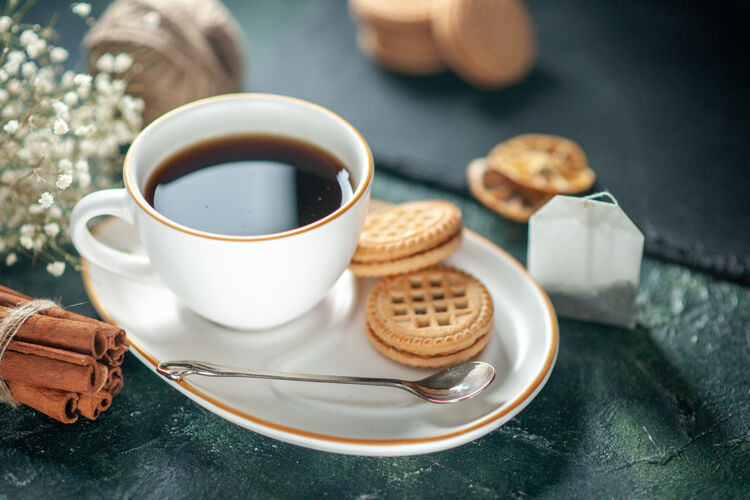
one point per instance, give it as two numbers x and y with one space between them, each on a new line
9 326
192 51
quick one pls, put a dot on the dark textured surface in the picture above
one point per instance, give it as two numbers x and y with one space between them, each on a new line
655 92
660 411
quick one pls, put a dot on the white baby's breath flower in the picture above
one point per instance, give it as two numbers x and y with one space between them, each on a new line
10 110
26 155
26 230
103 84
105 114
119 86
60 127
11 127
68 78
82 166
84 92
106 63
28 37
53 121
14 58
11 68
11 259
82 9
56 269
28 69
13 61
61 109
27 242
14 87
64 181
122 62
5 23
87 147
43 84
85 130
55 212
52 229
65 165
46 200
84 179
152 19
36 49
82 80
70 98
8 176
58 55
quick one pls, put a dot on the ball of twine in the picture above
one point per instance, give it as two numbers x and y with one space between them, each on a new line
182 50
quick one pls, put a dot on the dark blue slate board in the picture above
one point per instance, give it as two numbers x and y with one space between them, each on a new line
655 92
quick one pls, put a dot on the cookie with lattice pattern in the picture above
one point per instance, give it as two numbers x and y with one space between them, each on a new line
498 193
544 163
428 314
407 237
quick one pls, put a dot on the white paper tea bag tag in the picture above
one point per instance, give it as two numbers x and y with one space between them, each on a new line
587 254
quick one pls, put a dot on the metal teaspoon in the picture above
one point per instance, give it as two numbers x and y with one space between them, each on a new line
446 386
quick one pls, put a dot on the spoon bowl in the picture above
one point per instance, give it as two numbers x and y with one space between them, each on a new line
455 383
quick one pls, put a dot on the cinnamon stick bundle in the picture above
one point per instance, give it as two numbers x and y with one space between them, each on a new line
81 337
115 335
91 405
115 356
59 405
61 363
114 382
52 368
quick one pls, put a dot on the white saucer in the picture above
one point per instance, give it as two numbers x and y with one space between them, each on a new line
330 339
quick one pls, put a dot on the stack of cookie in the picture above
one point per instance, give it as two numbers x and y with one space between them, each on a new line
488 43
523 173
398 35
421 314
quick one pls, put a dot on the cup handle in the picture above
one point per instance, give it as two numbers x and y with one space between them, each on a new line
107 202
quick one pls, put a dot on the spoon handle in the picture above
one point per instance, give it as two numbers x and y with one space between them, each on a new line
176 370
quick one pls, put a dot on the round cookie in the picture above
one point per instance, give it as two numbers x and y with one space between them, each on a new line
420 361
544 163
430 313
406 237
407 53
489 43
407 264
395 14
498 193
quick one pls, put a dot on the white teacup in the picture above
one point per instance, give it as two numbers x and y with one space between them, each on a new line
249 282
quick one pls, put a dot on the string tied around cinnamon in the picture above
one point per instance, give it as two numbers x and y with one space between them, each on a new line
9 326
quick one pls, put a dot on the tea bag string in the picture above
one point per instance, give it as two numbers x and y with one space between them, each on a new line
602 194
9 326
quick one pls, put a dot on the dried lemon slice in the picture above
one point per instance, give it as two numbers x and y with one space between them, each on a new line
498 193
544 163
